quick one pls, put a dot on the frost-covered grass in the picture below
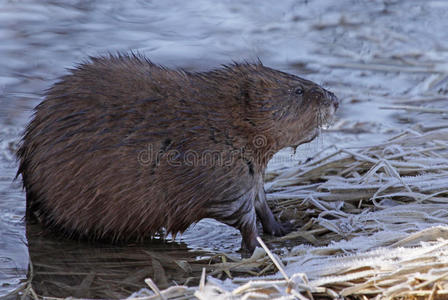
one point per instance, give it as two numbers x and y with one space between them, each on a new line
375 225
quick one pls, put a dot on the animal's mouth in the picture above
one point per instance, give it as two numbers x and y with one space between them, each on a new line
311 136
334 101
327 110
325 117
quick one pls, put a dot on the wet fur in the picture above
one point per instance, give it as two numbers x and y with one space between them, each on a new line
81 155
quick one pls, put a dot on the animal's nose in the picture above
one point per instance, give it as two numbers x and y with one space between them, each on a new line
333 99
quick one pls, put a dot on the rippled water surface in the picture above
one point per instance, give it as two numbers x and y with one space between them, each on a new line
325 41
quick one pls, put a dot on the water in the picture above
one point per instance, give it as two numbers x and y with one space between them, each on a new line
325 41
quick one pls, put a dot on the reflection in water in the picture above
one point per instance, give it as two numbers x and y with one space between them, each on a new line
13 250
63 268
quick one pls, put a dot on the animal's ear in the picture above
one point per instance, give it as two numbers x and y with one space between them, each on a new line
253 89
262 83
257 84
245 91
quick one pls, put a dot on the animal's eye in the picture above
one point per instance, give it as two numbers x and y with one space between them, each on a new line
298 91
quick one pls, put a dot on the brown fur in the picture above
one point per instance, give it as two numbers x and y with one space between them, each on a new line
106 155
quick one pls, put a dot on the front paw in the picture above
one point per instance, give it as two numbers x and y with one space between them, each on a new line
279 229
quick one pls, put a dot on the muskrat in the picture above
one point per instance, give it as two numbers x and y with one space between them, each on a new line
121 148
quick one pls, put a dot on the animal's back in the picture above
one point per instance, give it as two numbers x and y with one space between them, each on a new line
94 161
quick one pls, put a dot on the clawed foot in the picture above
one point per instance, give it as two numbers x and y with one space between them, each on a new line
270 224
275 228
247 249
278 229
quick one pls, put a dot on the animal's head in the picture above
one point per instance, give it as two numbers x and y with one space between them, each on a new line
286 107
